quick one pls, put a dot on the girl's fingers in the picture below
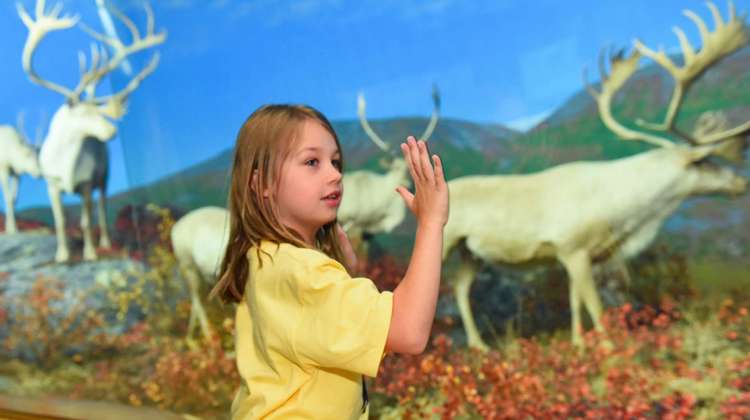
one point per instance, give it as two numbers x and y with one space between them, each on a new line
424 161
407 158
407 196
439 174
414 158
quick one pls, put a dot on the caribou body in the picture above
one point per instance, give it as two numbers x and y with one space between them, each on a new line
581 213
73 157
18 158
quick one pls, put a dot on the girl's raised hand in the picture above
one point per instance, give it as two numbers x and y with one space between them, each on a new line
429 203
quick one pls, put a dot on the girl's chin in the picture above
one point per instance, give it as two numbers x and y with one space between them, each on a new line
327 222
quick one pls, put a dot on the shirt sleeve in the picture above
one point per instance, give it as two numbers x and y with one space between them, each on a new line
344 321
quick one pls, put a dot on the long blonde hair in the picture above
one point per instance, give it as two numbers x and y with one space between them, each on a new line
263 143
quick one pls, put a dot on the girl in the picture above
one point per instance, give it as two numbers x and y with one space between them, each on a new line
306 331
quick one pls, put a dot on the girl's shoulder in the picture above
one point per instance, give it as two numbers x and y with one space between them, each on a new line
293 259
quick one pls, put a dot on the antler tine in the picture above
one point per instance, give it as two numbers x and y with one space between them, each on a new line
134 82
621 69
121 51
726 134
39 9
134 33
726 38
361 105
87 82
149 19
590 89
114 104
435 114
20 126
94 34
39 133
601 62
718 22
602 65
37 30
731 147
81 62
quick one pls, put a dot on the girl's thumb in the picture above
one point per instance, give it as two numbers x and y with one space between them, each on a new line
405 194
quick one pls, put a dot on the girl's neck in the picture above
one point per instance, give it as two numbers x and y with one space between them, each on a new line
307 237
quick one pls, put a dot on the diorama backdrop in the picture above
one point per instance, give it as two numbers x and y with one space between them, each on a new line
512 100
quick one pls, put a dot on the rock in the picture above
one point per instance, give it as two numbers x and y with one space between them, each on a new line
42 297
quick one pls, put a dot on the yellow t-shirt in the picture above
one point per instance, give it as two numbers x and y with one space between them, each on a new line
321 329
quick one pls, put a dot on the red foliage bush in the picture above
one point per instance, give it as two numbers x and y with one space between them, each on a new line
138 229
621 376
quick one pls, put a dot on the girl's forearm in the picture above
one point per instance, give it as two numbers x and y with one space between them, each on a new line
415 298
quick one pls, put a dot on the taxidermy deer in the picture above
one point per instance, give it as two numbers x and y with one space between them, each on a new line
586 212
199 240
73 157
19 157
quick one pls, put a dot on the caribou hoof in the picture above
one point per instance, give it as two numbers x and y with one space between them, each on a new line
62 256
481 346
89 254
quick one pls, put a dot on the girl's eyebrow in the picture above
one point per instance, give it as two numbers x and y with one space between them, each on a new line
316 149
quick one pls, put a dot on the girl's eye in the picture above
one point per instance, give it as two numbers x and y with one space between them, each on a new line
311 162
336 163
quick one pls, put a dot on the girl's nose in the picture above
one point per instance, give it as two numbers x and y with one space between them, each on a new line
335 174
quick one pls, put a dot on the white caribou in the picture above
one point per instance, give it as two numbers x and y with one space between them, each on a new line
369 204
19 157
585 212
199 240
74 157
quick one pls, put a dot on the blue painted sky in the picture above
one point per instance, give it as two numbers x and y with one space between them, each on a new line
505 61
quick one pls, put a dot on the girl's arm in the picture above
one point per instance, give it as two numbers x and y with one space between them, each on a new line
415 298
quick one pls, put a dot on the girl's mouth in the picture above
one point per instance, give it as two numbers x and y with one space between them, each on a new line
333 199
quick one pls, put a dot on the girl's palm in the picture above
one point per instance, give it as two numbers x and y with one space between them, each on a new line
429 203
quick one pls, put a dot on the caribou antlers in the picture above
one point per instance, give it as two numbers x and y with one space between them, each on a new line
101 63
726 38
362 105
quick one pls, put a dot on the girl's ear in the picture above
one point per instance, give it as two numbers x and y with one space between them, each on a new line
254 182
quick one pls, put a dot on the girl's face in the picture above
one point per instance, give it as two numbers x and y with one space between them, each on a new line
309 190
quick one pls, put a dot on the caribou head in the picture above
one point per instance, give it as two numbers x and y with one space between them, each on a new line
84 115
698 155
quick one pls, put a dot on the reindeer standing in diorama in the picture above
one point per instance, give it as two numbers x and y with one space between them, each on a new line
19 157
369 204
199 241
74 157
587 212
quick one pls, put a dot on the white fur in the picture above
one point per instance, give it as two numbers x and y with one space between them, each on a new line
199 240
576 213
17 158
